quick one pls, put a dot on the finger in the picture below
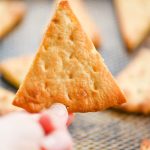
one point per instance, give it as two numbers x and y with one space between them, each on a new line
58 140
70 119
56 117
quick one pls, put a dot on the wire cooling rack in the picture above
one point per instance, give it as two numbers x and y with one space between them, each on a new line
109 130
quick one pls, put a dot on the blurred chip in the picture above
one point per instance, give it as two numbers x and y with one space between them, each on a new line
134 21
15 69
11 12
135 82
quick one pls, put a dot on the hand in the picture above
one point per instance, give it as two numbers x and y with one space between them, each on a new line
44 131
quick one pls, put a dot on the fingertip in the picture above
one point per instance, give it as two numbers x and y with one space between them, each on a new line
59 112
61 106
56 117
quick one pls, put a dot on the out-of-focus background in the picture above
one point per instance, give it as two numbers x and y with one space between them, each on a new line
106 130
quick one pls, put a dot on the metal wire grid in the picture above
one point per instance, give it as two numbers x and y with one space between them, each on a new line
109 130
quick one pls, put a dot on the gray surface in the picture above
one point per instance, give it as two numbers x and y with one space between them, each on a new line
88 130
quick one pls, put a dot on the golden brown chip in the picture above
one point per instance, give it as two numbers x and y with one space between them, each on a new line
11 12
15 69
135 82
67 69
134 20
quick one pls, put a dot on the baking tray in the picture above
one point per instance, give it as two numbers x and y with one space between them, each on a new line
108 130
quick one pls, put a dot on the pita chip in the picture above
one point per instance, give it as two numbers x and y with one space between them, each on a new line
11 12
134 21
134 80
14 69
67 69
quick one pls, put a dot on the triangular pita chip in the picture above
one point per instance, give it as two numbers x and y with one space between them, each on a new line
134 20
15 69
86 21
67 69
135 82
6 99
11 12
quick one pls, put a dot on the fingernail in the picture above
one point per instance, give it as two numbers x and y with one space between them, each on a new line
46 124
59 110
